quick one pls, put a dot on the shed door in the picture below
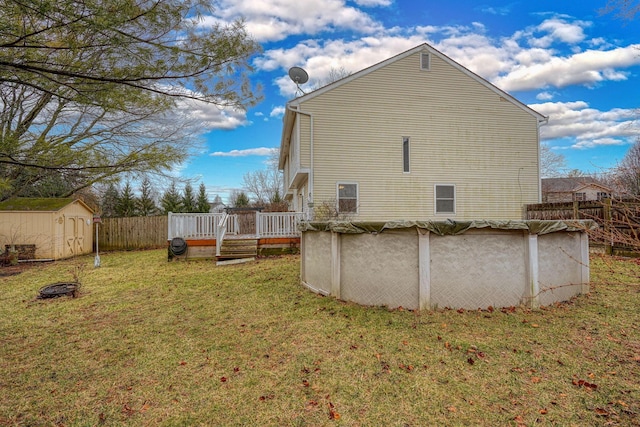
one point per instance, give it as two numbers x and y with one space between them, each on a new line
73 236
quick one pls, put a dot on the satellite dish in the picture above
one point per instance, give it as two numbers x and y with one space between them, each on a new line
298 75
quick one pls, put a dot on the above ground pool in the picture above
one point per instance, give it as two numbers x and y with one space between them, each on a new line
438 264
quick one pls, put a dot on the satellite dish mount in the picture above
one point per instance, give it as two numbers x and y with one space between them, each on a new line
299 76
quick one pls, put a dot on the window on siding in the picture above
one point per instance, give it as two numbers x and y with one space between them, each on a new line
578 197
602 195
425 61
347 197
445 199
405 154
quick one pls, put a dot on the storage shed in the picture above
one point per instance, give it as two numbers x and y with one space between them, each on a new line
46 228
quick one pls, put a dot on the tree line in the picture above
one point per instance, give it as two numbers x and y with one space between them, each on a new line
122 201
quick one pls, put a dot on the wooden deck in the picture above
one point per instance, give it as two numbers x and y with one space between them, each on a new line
206 248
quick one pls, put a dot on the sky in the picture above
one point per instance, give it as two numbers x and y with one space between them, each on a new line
565 59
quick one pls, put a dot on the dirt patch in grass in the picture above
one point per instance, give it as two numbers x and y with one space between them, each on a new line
12 270
155 343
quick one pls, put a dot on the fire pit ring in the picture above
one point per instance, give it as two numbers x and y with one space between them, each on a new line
59 289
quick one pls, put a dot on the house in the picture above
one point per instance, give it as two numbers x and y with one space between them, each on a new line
417 136
573 189
46 228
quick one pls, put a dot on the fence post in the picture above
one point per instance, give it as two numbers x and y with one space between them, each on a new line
606 216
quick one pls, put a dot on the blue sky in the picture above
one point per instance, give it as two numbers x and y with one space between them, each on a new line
563 58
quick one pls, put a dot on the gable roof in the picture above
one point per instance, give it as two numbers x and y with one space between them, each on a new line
420 48
39 204
294 104
570 185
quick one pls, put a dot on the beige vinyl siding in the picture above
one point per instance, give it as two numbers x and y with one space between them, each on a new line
305 135
461 133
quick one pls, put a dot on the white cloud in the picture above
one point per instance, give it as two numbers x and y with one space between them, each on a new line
371 3
212 117
559 30
584 68
598 142
273 20
544 96
508 66
526 60
277 112
262 151
495 10
587 127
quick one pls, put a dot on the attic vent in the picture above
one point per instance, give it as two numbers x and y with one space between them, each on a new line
425 61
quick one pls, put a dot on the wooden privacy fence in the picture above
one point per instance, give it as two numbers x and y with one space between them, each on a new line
139 232
619 220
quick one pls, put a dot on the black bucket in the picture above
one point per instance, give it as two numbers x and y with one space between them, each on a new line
178 246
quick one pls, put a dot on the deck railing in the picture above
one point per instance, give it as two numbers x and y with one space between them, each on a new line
206 225
278 224
198 225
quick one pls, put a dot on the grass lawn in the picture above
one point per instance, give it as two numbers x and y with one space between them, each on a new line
149 342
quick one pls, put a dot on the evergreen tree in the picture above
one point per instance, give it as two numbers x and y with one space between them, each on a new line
146 202
126 205
170 201
188 199
202 204
276 198
240 200
109 201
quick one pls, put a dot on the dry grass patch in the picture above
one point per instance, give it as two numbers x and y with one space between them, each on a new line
187 343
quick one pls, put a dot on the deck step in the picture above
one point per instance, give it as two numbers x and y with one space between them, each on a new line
238 248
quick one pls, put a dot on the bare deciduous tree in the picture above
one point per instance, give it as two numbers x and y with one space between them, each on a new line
551 164
265 186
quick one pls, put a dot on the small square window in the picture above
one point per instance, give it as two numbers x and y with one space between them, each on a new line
579 197
445 199
347 198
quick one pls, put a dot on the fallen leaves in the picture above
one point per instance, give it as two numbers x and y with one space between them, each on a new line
333 413
266 397
129 411
584 384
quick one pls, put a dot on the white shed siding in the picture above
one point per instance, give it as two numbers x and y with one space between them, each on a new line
461 133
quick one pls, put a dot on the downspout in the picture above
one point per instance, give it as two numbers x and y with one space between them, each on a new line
310 183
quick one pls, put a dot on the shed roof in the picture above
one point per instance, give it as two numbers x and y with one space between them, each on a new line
38 204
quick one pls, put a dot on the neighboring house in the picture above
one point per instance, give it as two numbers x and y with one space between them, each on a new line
58 228
573 189
417 136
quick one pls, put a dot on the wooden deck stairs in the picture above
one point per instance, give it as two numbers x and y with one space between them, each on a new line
234 251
